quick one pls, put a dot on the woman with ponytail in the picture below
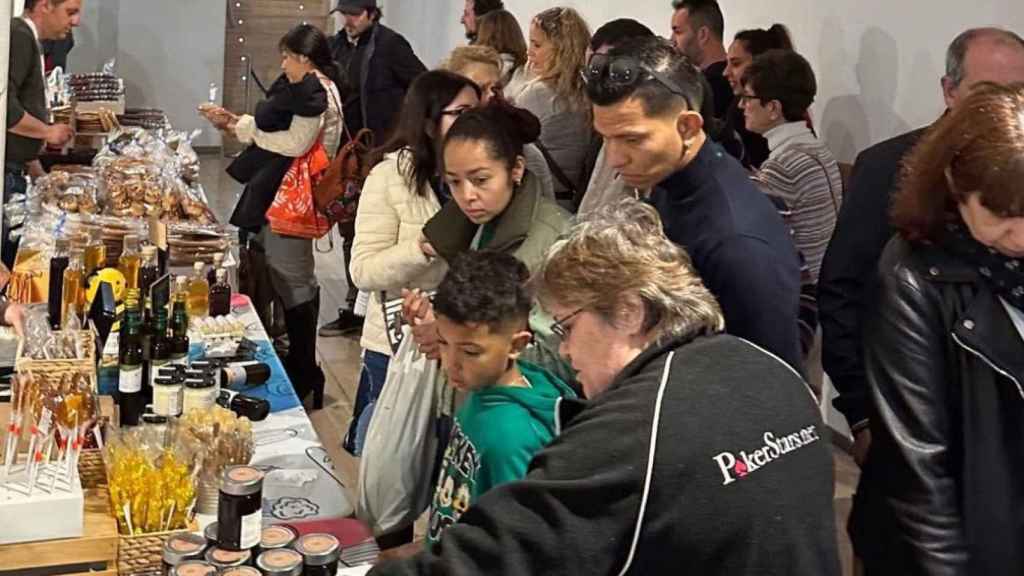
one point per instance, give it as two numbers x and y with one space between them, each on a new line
497 205
302 107
747 45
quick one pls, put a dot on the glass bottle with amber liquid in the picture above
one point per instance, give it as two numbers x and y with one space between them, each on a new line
72 293
95 252
198 293
179 325
58 264
130 261
131 366
220 295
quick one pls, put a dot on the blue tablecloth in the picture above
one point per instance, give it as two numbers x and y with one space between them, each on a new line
278 389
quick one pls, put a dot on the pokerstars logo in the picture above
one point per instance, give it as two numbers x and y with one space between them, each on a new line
737 466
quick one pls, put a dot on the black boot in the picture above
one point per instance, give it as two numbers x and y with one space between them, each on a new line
305 374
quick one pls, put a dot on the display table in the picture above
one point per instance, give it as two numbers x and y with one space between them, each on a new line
301 487
301 482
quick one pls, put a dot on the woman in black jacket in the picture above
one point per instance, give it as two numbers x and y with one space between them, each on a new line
942 490
694 453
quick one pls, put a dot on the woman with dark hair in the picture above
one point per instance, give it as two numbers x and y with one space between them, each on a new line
801 176
500 30
941 489
401 194
498 205
746 45
302 107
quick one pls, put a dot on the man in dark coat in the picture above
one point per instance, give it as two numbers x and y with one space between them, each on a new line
377 66
863 229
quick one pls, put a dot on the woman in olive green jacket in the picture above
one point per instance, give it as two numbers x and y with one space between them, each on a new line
498 205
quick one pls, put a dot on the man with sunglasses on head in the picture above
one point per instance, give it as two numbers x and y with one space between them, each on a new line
647 99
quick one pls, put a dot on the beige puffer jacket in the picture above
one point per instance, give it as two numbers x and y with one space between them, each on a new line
386 255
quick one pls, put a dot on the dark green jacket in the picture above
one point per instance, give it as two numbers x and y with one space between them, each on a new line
526 229
26 92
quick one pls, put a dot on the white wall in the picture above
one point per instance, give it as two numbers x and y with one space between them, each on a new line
168 53
878 61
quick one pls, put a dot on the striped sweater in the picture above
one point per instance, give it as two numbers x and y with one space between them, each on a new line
803 180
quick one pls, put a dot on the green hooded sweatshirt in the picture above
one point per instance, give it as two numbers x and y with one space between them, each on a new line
495 435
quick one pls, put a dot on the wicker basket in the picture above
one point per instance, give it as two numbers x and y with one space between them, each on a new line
91 469
142 555
85 365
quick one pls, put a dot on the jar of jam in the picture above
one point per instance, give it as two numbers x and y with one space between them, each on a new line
182 547
320 553
221 558
210 532
278 536
241 571
280 562
193 568
239 510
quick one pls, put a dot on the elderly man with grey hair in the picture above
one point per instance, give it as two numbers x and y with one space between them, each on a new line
862 231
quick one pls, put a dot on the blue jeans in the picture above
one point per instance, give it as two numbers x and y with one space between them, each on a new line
371 380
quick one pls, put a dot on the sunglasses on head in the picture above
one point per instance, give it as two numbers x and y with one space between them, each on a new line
627 72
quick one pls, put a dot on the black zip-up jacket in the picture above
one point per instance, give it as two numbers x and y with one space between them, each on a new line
942 491
703 457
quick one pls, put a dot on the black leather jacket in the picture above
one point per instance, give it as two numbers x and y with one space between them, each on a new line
942 492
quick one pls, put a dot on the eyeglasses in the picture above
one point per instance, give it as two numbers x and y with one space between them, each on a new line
627 72
744 98
560 328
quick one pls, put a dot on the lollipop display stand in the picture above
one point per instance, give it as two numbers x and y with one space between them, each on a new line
52 509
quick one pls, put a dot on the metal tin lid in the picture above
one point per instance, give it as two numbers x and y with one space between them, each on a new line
278 536
281 562
170 370
168 381
222 558
241 481
153 419
193 568
241 571
198 383
183 546
319 549
212 533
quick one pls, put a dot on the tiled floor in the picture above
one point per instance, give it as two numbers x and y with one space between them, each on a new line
340 359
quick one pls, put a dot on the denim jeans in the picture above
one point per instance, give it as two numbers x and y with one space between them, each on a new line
371 380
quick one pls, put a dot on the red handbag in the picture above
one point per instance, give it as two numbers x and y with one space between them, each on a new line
294 212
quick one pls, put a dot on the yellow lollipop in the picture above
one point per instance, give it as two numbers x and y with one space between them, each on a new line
111 276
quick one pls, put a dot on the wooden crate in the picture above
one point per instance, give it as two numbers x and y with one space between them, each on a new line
85 365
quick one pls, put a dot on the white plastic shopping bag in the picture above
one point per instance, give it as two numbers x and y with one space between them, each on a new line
397 465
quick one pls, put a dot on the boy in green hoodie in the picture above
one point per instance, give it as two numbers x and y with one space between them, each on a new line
482 309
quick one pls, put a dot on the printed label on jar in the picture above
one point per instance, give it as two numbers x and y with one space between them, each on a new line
252 529
167 400
129 380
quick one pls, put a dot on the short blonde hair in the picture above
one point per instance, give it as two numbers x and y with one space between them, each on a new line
465 56
622 250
